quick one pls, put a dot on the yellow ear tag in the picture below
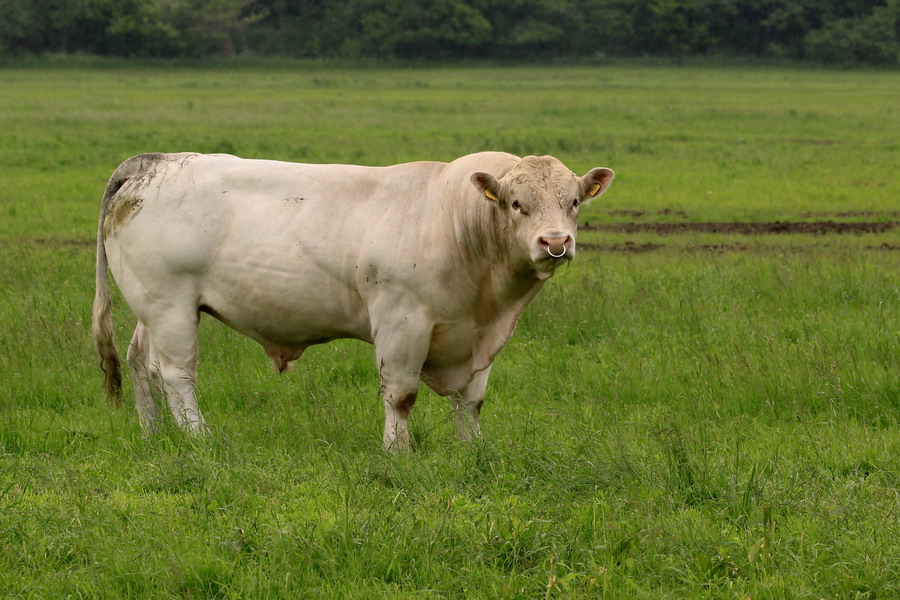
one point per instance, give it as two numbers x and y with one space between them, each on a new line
491 195
594 189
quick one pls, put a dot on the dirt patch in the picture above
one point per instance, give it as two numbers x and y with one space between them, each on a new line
637 214
51 242
119 210
811 142
638 248
745 228
850 214
623 248
722 248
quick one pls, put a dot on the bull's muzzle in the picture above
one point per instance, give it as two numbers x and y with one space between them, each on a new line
555 246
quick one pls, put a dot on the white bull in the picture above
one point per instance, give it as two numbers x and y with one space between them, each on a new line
431 262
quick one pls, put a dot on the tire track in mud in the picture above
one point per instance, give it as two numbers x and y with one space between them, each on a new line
746 227
629 247
740 228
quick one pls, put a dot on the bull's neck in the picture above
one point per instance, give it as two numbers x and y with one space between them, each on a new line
482 235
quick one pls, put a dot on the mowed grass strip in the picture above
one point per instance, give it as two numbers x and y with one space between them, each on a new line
682 424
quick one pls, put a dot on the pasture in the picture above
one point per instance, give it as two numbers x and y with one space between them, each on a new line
703 405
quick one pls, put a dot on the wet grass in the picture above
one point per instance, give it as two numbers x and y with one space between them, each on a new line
677 423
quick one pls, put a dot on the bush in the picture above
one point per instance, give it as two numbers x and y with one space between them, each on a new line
872 39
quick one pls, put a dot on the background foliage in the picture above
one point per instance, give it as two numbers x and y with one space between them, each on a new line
832 31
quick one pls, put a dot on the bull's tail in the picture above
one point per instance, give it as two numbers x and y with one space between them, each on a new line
102 326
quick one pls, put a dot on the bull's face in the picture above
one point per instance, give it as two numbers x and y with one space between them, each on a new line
540 198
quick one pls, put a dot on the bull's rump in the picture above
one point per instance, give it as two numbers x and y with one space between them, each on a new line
286 253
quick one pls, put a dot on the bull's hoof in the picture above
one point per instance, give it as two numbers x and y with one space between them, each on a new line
400 443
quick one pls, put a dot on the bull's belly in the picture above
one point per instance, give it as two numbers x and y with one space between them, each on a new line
288 316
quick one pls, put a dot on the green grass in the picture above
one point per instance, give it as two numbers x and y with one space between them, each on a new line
678 423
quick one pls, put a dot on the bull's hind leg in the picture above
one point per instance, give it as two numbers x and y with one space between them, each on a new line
142 377
173 340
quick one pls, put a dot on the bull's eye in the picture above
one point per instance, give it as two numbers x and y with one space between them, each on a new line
517 206
575 203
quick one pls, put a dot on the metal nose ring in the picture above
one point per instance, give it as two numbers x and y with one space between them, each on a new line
550 252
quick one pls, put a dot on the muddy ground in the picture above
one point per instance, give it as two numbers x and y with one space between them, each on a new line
745 228
799 227
629 247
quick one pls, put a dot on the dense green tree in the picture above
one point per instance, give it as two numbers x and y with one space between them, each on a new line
54 25
529 28
604 27
422 29
676 27
289 27
873 38
18 25
841 31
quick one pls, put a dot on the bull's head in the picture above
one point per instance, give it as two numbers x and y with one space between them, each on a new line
541 198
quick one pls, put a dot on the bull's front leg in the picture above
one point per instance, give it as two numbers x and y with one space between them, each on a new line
467 406
400 350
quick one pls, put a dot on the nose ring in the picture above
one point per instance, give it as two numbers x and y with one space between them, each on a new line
550 252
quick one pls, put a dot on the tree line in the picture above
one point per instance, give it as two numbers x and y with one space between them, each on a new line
829 31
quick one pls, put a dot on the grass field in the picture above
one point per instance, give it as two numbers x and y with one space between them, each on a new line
704 413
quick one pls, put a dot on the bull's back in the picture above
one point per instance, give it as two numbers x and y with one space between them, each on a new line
272 248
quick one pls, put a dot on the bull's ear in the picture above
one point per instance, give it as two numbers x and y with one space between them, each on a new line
487 185
596 182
